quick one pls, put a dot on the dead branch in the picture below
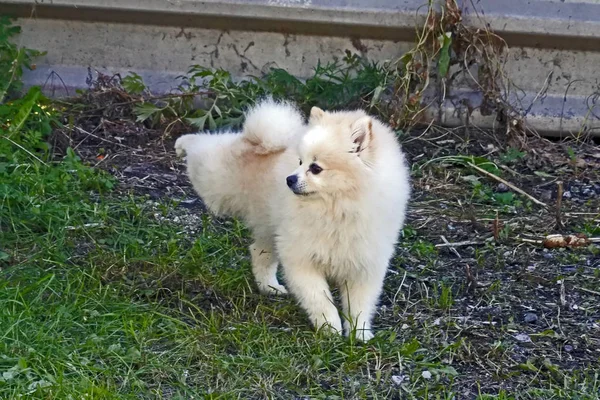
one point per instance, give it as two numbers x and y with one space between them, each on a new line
510 185
459 244
559 197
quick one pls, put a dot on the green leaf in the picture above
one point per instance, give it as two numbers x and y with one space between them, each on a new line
198 122
406 58
485 164
444 60
376 95
504 198
133 83
218 111
212 125
410 348
29 101
548 333
472 179
144 111
528 366
447 370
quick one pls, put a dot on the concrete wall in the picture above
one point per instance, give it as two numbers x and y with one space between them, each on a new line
555 44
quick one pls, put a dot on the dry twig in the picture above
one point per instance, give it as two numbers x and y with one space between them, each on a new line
448 244
590 291
459 244
559 196
471 279
510 185
496 227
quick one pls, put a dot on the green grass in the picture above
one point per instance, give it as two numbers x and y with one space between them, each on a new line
103 296
131 307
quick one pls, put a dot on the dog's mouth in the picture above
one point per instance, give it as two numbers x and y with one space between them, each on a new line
303 194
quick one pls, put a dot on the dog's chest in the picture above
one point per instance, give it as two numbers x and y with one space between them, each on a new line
339 247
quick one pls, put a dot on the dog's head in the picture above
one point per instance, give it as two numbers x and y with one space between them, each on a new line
334 155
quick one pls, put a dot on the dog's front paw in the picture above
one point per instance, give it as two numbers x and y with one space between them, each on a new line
364 335
330 330
331 325
361 334
273 289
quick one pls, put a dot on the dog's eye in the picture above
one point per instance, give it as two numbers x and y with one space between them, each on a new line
315 169
300 162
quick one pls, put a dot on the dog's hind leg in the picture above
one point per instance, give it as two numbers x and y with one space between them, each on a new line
264 267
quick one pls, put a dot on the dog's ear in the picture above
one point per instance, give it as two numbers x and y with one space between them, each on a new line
362 133
316 114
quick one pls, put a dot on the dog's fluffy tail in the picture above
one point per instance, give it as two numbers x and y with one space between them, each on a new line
270 125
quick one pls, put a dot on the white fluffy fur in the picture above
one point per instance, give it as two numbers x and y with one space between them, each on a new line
340 224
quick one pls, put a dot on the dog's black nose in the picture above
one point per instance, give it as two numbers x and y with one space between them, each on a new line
291 180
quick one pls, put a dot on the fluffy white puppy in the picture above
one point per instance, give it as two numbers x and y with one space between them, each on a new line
327 200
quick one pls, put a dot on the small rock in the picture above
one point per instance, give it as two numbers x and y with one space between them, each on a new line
568 348
574 189
189 203
426 375
398 379
502 188
566 195
546 194
170 177
523 337
128 170
546 254
569 268
531 318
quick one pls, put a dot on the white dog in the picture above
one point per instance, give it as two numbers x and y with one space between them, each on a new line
327 200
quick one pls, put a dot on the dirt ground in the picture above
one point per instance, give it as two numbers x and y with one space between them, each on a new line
471 268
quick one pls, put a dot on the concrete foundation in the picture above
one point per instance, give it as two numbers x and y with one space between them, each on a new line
553 58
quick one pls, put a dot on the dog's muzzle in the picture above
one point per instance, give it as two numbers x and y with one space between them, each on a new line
298 189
